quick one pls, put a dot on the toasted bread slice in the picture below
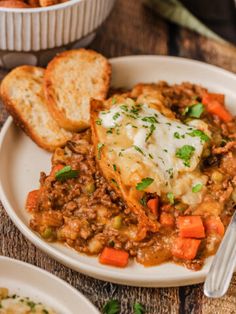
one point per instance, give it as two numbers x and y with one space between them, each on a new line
22 94
72 78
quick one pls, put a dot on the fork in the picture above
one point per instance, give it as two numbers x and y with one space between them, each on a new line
221 271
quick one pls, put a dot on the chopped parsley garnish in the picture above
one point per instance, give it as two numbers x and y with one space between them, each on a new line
143 200
109 131
139 150
165 150
185 153
114 182
177 135
150 156
99 147
168 123
31 304
138 308
124 107
197 188
114 167
199 133
113 101
194 111
66 173
152 129
135 109
99 121
150 119
116 116
171 197
111 307
170 172
144 184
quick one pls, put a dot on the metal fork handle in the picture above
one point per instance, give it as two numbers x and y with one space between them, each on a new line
222 267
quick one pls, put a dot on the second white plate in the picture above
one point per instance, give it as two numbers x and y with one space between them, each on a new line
26 280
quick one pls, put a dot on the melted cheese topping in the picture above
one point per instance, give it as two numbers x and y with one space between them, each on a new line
144 143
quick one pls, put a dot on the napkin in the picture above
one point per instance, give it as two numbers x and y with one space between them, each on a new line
176 12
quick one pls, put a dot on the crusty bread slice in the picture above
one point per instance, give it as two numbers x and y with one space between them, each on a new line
71 79
23 96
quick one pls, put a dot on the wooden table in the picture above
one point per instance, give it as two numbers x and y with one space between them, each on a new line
133 29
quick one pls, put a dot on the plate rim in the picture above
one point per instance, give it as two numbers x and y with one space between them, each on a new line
53 277
109 273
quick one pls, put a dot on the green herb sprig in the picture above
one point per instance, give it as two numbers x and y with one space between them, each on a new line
144 183
66 173
185 153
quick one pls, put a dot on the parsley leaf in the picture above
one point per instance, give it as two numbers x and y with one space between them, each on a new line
171 197
109 131
116 116
98 121
185 153
170 171
99 147
144 183
194 111
66 173
114 167
138 308
152 129
143 200
177 135
113 101
111 307
197 188
150 119
199 133
139 150
124 107
114 182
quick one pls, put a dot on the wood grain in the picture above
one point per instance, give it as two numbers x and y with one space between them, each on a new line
133 29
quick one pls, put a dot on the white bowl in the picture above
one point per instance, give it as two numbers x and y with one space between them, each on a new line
36 29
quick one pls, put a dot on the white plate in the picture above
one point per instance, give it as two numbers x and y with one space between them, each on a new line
29 281
21 162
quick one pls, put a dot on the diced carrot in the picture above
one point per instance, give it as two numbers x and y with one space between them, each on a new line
214 225
167 219
55 169
114 257
208 97
31 201
185 248
152 204
190 227
215 105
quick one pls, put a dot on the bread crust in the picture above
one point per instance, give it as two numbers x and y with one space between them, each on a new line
18 117
50 84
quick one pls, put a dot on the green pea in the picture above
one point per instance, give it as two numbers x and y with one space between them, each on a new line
90 188
217 176
47 233
117 222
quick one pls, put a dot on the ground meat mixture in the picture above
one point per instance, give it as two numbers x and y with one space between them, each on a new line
84 212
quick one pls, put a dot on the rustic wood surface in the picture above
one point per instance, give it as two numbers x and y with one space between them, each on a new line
133 29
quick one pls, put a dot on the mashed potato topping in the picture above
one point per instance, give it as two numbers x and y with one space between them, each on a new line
143 142
13 304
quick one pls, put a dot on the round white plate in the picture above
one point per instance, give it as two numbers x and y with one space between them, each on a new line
29 281
21 162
